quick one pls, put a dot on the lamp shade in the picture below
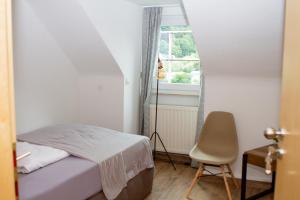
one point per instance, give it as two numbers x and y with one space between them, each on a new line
160 70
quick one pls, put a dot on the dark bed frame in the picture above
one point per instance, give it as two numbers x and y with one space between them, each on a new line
138 188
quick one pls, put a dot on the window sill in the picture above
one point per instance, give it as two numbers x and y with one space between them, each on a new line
176 92
177 89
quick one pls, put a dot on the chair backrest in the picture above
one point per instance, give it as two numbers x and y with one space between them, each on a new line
218 134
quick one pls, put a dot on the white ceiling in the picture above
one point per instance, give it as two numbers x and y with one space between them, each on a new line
89 54
155 2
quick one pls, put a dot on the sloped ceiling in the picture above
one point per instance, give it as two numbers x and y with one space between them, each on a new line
119 24
238 38
76 35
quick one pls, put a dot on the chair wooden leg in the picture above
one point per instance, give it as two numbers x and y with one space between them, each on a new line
233 177
225 181
196 178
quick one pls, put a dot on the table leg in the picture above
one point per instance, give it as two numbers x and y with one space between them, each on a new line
244 177
273 181
261 194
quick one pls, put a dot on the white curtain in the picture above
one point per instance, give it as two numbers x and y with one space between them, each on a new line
200 117
151 36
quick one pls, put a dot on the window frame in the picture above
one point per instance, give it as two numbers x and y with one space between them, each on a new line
180 88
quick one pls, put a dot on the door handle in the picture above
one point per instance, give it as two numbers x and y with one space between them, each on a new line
273 134
274 153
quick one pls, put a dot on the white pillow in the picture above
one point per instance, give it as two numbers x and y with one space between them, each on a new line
40 156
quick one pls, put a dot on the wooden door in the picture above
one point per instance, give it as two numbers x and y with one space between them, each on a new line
7 123
288 170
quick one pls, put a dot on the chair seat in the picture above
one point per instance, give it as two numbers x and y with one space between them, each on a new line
209 158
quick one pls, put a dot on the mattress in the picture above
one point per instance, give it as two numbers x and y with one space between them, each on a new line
70 178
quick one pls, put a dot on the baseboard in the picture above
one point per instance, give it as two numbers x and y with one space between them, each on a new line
176 158
186 160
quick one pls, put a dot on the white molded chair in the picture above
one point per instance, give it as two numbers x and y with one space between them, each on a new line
217 146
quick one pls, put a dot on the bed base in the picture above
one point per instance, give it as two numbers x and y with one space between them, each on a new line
138 188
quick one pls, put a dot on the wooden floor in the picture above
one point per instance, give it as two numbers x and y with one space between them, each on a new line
172 185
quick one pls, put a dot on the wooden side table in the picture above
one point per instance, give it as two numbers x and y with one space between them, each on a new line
256 157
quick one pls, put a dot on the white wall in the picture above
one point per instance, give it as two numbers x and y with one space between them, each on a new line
46 84
119 23
104 52
99 101
240 46
254 101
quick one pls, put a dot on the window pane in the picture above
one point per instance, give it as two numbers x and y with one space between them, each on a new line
182 72
183 46
179 55
164 45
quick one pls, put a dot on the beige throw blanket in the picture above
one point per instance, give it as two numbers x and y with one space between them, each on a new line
103 146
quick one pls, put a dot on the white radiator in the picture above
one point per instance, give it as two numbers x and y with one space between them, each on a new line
176 125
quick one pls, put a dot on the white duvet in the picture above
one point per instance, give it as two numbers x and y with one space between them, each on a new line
40 156
100 145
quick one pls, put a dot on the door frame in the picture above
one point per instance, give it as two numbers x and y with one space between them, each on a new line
8 177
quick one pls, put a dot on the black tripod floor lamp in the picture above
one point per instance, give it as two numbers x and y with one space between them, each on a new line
155 134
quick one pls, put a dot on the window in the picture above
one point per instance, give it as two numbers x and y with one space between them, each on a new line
179 55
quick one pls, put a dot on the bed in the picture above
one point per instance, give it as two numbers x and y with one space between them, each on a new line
75 178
